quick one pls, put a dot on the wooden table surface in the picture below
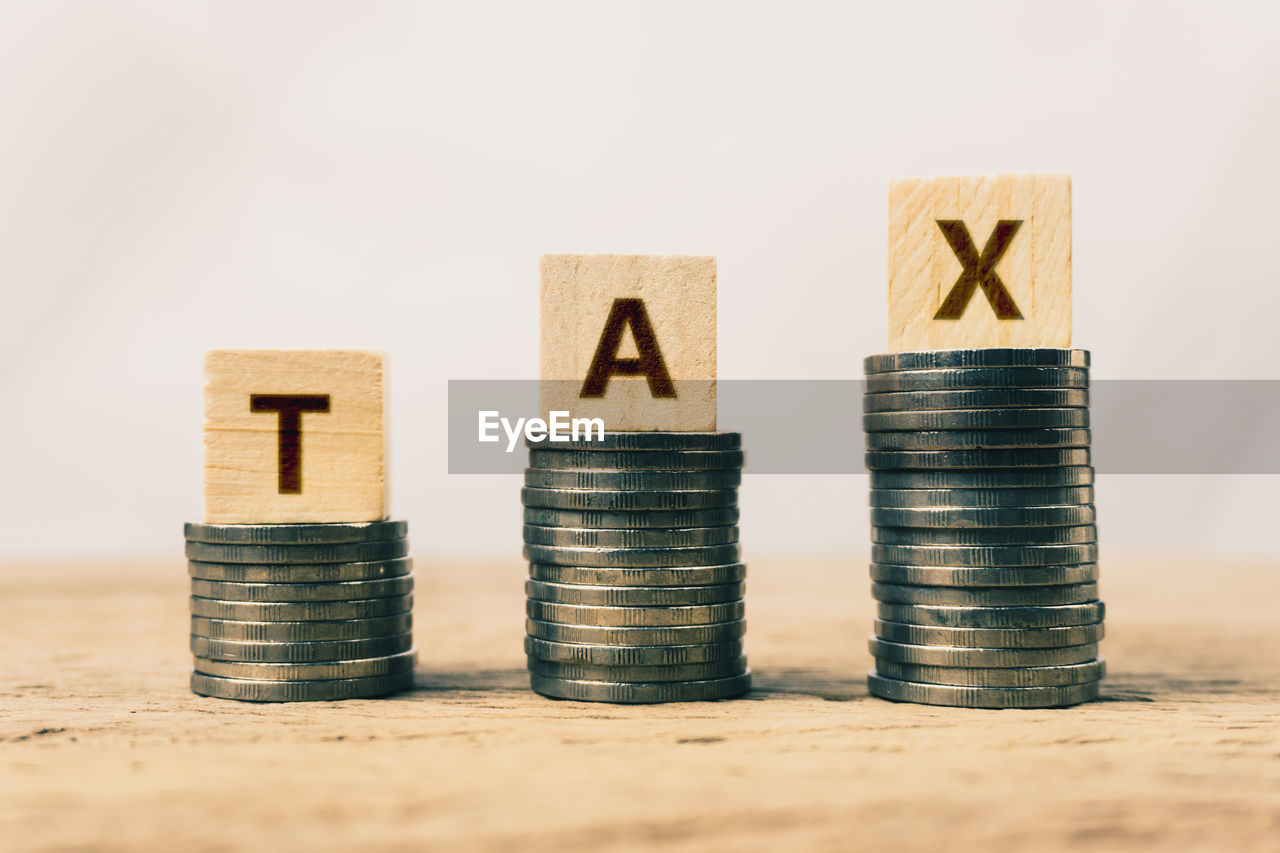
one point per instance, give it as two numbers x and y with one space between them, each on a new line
104 747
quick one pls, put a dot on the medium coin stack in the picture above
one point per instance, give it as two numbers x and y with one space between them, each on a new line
635 584
985 548
300 612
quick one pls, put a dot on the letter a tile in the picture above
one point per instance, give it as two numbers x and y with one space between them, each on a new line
980 262
630 339
294 436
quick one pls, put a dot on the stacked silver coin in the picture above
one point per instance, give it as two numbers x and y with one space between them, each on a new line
300 612
984 536
635 590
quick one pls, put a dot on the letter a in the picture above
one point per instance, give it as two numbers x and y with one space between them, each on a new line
605 363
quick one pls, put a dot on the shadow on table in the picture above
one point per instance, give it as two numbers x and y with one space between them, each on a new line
840 686
825 684
1128 686
1154 686
829 685
471 681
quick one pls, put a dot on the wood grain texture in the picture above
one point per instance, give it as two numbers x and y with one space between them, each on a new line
679 293
343 450
102 746
1035 268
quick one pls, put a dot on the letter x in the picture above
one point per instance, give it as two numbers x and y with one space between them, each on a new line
978 271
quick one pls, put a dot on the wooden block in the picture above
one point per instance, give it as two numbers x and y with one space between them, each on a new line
630 339
1024 221
294 436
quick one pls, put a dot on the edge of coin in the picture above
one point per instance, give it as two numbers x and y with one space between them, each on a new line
940 359
607 655
301 533
330 690
981 697
642 693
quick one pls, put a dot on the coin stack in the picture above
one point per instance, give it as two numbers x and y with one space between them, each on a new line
300 612
985 547
635 584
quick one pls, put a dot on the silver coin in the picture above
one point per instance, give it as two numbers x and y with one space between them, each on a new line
300 611
633 558
993 357
994 615
300 632
651 519
977 439
638 694
685 635
246 690
295 534
1018 596
341 591
981 697
635 617
308 573
1007 478
542 478
1028 676
988 638
966 421
970 577
977 377
963 460
680 577
997 556
984 517
979 398
650 440
635 500
1080 534
631 656
636 460
354 552
633 596
587 537
313 671
639 674
981 498
994 658
300 652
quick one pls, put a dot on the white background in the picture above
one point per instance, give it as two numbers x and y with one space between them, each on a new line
175 176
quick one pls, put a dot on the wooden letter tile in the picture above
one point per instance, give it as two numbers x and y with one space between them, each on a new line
630 339
944 290
294 436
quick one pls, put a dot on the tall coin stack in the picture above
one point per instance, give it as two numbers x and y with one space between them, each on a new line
985 548
635 585
300 612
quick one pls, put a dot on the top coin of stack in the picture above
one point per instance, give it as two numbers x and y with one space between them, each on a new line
635 585
984 554
296 612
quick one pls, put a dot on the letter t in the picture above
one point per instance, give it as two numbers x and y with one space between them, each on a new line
289 408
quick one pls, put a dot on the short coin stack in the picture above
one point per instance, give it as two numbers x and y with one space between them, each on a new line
300 612
984 554
635 584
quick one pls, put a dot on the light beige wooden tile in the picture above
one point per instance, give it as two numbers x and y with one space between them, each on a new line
1035 267
342 470
580 293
